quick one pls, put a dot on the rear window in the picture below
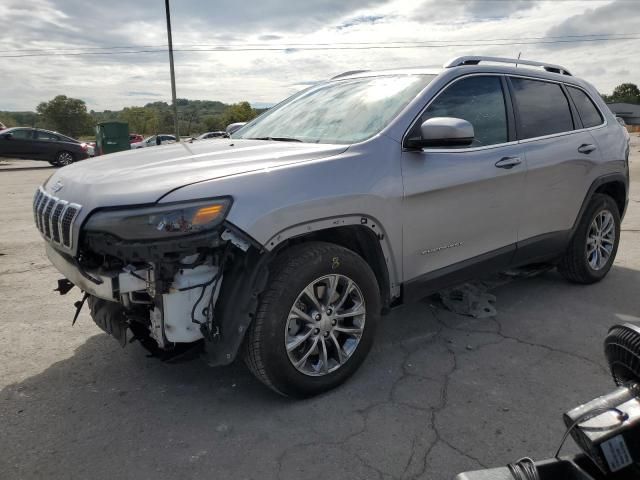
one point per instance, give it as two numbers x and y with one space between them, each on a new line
543 108
589 113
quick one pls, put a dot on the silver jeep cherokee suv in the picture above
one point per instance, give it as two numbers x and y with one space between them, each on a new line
286 242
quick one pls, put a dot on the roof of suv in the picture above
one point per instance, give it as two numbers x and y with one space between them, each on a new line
495 65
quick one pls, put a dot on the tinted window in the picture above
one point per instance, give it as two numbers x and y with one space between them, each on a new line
543 108
588 112
46 136
23 134
479 101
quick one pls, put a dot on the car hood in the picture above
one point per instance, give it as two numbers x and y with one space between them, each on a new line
143 176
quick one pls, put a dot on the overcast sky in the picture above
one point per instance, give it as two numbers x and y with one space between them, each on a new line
116 81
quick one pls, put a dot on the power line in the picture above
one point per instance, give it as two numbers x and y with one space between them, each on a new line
303 46
319 48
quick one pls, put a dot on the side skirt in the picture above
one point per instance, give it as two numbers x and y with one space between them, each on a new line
540 249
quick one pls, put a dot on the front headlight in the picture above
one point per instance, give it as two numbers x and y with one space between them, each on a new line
161 221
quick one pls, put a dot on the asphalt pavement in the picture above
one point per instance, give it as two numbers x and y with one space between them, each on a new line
439 394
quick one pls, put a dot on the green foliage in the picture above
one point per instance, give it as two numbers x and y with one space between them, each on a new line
17 119
7 119
238 112
69 116
624 93
65 115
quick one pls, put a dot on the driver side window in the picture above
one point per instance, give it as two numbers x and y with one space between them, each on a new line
478 100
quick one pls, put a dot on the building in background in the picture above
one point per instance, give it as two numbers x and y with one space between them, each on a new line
629 112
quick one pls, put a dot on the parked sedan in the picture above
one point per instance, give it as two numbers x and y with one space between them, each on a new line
208 135
154 140
35 144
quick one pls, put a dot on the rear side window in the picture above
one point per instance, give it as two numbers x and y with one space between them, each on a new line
479 101
47 136
543 108
589 113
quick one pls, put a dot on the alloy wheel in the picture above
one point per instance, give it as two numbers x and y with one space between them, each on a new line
64 158
325 325
601 239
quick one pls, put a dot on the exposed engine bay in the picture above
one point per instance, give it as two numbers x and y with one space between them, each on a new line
164 294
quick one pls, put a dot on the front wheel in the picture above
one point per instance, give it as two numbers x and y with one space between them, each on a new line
316 320
594 245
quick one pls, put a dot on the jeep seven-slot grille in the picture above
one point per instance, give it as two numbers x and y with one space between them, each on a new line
54 218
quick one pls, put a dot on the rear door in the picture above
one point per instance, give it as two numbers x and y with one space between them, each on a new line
559 153
463 203
46 144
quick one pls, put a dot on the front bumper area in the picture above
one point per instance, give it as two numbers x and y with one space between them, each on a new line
202 294
71 272
172 316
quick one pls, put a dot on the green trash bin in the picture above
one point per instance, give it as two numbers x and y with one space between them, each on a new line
112 137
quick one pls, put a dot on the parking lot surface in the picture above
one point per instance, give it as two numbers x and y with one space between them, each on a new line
439 394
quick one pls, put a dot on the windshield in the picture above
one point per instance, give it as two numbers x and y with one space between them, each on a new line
345 111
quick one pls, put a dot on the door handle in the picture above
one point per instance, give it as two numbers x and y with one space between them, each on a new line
586 148
508 162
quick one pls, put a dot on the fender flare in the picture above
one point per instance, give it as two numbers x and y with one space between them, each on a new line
597 183
362 220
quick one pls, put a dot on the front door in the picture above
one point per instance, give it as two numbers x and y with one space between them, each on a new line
463 203
17 143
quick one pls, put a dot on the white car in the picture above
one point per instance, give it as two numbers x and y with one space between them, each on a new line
154 140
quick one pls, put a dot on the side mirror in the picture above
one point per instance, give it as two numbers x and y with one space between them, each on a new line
8 136
443 132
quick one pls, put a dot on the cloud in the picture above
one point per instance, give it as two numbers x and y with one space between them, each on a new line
459 11
115 81
619 16
362 19
143 94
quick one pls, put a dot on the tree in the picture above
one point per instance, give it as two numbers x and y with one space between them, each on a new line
625 93
140 119
238 112
65 115
7 119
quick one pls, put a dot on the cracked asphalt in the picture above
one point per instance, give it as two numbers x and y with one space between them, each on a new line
439 394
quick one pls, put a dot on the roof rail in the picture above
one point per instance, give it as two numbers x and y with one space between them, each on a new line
475 60
350 72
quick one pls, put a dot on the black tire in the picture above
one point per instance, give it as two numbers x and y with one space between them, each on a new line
110 317
574 265
265 352
64 158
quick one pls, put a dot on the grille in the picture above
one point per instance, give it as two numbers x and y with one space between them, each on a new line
54 218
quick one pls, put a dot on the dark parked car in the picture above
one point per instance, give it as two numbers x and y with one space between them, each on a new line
35 144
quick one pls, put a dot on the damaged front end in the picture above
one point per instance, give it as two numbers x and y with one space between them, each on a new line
176 277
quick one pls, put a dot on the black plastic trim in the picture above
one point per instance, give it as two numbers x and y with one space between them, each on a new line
598 182
460 272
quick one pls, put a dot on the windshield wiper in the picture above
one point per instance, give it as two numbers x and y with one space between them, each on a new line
277 139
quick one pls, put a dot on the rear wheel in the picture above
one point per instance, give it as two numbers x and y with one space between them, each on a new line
316 320
63 158
594 245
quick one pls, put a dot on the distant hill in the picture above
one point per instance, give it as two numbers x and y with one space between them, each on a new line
195 116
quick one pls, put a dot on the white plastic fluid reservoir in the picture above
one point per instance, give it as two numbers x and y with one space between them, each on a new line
178 304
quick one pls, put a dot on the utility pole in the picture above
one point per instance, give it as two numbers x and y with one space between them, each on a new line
173 73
